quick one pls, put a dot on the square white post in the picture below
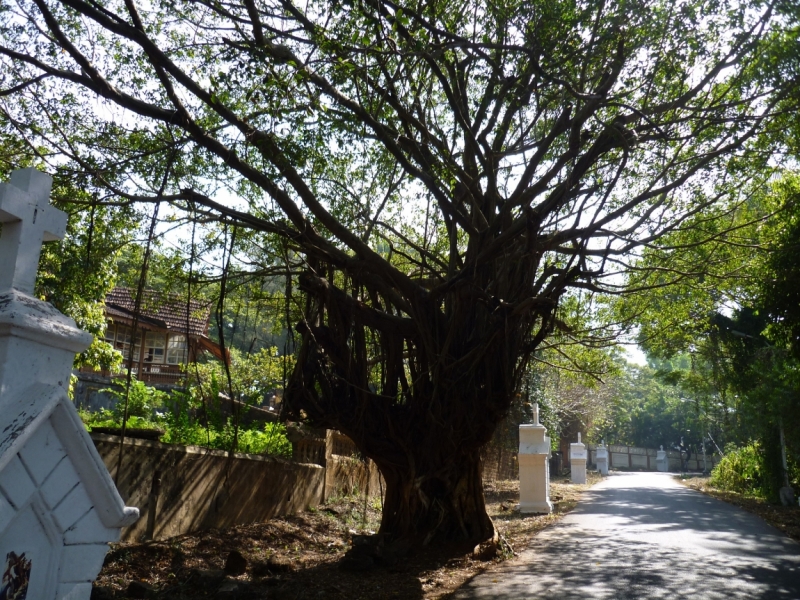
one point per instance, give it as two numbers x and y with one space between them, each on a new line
577 459
662 462
602 458
534 468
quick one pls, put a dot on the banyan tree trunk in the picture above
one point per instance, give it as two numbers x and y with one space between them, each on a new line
441 497
420 395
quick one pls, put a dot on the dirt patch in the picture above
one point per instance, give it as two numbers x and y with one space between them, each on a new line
299 556
785 518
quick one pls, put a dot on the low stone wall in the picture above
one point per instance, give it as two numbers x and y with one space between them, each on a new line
499 463
179 489
346 475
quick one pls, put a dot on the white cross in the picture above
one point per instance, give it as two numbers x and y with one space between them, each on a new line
535 413
28 220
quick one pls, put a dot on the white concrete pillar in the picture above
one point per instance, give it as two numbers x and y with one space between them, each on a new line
577 458
662 462
534 467
58 505
602 458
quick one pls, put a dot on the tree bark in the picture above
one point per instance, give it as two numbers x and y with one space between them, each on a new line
441 498
422 394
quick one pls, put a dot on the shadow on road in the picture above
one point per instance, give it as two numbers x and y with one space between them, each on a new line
643 537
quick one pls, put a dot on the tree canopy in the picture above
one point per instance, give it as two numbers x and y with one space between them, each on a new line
434 177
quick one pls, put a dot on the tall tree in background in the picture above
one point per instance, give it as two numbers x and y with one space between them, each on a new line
732 308
76 273
445 172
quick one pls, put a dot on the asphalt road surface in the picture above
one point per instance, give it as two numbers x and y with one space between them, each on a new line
644 535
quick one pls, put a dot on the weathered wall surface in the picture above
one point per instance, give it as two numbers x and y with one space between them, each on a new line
346 472
179 489
345 475
499 463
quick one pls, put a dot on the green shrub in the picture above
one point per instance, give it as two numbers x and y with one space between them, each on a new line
143 400
110 418
741 470
269 440
180 425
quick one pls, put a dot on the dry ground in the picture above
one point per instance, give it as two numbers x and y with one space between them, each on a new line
297 557
785 518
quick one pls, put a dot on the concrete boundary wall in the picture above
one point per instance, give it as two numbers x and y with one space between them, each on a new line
349 475
644 459
180 489
499 463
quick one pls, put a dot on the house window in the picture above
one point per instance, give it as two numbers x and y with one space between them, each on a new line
154 344
110 330
137 348
119 336
176 350
122 340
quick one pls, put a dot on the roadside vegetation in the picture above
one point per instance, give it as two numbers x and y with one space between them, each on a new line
744 471
191 417
744 478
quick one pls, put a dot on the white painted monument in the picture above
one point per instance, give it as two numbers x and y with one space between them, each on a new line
59 507
602 458
577 460
662 462
534 468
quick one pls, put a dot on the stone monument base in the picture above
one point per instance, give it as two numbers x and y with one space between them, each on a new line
662 462
578 471
538 508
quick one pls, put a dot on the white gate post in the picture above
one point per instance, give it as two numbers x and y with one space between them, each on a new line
534 469
602 458
662 462
577 459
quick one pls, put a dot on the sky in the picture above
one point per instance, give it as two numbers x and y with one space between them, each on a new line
635 355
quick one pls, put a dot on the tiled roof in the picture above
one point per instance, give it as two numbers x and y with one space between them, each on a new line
166 310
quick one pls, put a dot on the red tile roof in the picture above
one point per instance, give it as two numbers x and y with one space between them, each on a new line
168 311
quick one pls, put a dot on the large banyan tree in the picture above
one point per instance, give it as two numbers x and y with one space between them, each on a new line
445 171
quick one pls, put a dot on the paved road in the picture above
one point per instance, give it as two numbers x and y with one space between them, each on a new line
643 535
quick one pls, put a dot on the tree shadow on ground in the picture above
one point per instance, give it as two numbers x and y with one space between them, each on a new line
649 542
407 579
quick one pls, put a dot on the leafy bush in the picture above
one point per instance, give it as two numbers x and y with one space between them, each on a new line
110 418
741 470
176 415
252 375
270 439
143 400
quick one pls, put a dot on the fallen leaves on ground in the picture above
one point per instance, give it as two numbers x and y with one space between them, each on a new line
785 518
298 556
